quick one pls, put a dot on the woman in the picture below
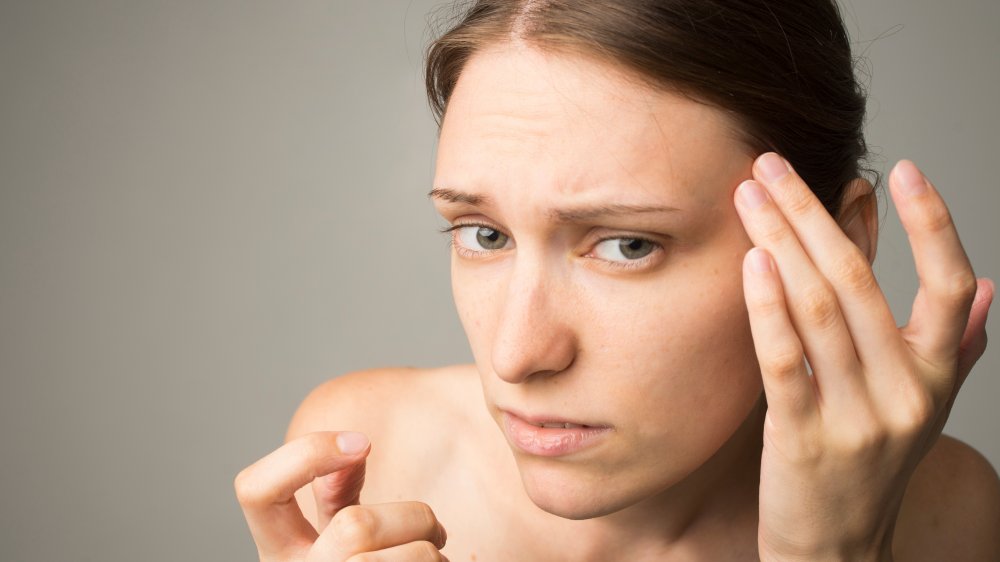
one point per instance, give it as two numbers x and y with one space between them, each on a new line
661 257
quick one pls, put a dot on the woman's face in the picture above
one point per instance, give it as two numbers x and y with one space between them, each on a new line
606 285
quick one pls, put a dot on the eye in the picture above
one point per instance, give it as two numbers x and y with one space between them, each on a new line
623 249
476 236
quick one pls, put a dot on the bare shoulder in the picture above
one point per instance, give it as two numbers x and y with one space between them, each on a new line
382 402
951 510
402 411
357 401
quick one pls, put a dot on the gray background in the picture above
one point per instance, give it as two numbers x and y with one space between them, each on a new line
208 208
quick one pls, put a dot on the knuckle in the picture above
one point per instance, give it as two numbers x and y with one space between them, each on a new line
935 217
800 202
854 273
820 307
784 363
915 412
249 492
312 446
425 550
772 232
771 228
425 515
862 439
766 303
354 527
961 288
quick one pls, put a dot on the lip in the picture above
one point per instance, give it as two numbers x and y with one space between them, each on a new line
550 442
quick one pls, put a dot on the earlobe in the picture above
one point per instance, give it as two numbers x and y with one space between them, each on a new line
858 216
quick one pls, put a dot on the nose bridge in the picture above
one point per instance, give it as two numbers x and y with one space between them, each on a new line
532 334
527 299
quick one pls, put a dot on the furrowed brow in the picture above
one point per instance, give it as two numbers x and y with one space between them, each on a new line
455 196
591 213
561 215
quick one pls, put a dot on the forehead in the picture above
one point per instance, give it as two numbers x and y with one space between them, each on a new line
573 123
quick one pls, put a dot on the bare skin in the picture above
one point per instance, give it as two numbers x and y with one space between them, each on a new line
435 444
566 168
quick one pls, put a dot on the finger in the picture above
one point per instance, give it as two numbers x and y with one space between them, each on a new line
973 344
947 282
863 305
811 304
373 527
791 396
974 339
339 489
266 490
419 551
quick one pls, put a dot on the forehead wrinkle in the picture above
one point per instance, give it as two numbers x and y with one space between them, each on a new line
643 101
616 209
567 215
559 102
546 136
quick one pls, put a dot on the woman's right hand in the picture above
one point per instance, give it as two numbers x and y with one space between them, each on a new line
346 531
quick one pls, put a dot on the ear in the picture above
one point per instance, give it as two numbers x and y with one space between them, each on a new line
858 216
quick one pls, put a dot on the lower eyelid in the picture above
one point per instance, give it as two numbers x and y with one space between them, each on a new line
644 262
463 250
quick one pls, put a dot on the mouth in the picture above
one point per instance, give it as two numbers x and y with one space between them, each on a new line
564 425
547 436
552 421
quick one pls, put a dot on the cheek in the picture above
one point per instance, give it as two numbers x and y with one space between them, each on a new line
681 352
475 297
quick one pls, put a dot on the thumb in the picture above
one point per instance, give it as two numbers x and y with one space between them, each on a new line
342 488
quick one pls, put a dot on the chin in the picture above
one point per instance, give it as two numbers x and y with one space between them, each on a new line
572 492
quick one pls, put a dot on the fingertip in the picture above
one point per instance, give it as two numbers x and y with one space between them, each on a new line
759 260
352 442
985 294
442 535
771 167
992 286
900 164
909 177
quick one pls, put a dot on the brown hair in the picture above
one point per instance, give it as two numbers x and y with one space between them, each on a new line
782 69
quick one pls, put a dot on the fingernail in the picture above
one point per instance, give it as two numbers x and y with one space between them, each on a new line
752 194
913 182
772 167
759 260
351 442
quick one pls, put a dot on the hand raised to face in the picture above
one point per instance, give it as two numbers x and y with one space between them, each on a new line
841 442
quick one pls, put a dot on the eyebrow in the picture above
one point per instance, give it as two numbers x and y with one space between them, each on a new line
561 215
597 211
459 197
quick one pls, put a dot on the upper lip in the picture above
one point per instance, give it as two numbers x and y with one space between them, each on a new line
548 418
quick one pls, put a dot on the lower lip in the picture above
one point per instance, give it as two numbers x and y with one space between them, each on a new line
550 441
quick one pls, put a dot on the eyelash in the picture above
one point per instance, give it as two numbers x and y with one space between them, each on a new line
631 264
463 251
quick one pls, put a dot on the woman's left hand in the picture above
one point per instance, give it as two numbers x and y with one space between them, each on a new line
841 444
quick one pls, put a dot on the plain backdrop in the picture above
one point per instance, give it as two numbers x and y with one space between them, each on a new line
208 208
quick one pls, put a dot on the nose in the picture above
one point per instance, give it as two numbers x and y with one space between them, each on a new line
534 335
